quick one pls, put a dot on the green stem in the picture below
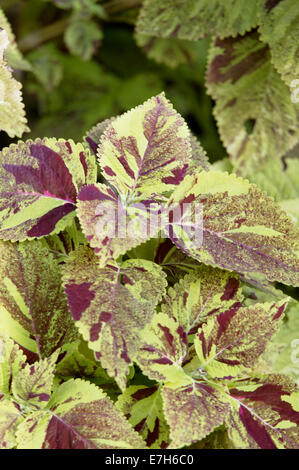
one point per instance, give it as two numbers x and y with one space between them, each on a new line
117 6
33 40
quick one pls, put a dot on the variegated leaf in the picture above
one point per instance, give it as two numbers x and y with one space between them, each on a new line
33 385
112 226
12 54
10 418
93 136
232 342
12 360
33 305
279 21
39 181
264 414
193 411
143 407
256 116
163 349
242 228
146 151
12 114
79 416
195 19
109 306
204 292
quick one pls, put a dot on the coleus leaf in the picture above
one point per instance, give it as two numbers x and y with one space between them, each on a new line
109 307
231 343
93 136
193 411
12 361
252 101
242 228
163 349
146 151
10 418
279 179
264 414
143 407
33 384
12 54
279 28
113 227
204 292
79 416
12 114
82 38
186 19
39 181
30 274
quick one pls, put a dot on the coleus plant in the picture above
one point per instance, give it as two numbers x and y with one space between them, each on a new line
101 345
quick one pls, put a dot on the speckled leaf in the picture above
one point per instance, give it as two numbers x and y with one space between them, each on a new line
12 360
243 230
113 226
279 178
279 21
199 158
204 292
145 151
79 416
163 349
93 136
12 114
143 407
232 342
254 110
33 384
264 414
109 306
12 54
195 19
193 411
39 181
10 418
33 306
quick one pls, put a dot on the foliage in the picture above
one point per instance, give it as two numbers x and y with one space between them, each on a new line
149 294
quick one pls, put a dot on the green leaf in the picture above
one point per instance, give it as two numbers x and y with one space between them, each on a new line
195 19
264 414
204 292
33 306
252 102
10 418
12 114
82 38
279 28
143 408
193 411
109 307
242 228
33 384
171 52
39 181
79 416
13 55
12 360
231 343
279 179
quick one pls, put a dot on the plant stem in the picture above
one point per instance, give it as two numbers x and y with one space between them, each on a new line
116 6
33 40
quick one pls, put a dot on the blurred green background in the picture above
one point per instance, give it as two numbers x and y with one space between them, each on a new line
87 64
